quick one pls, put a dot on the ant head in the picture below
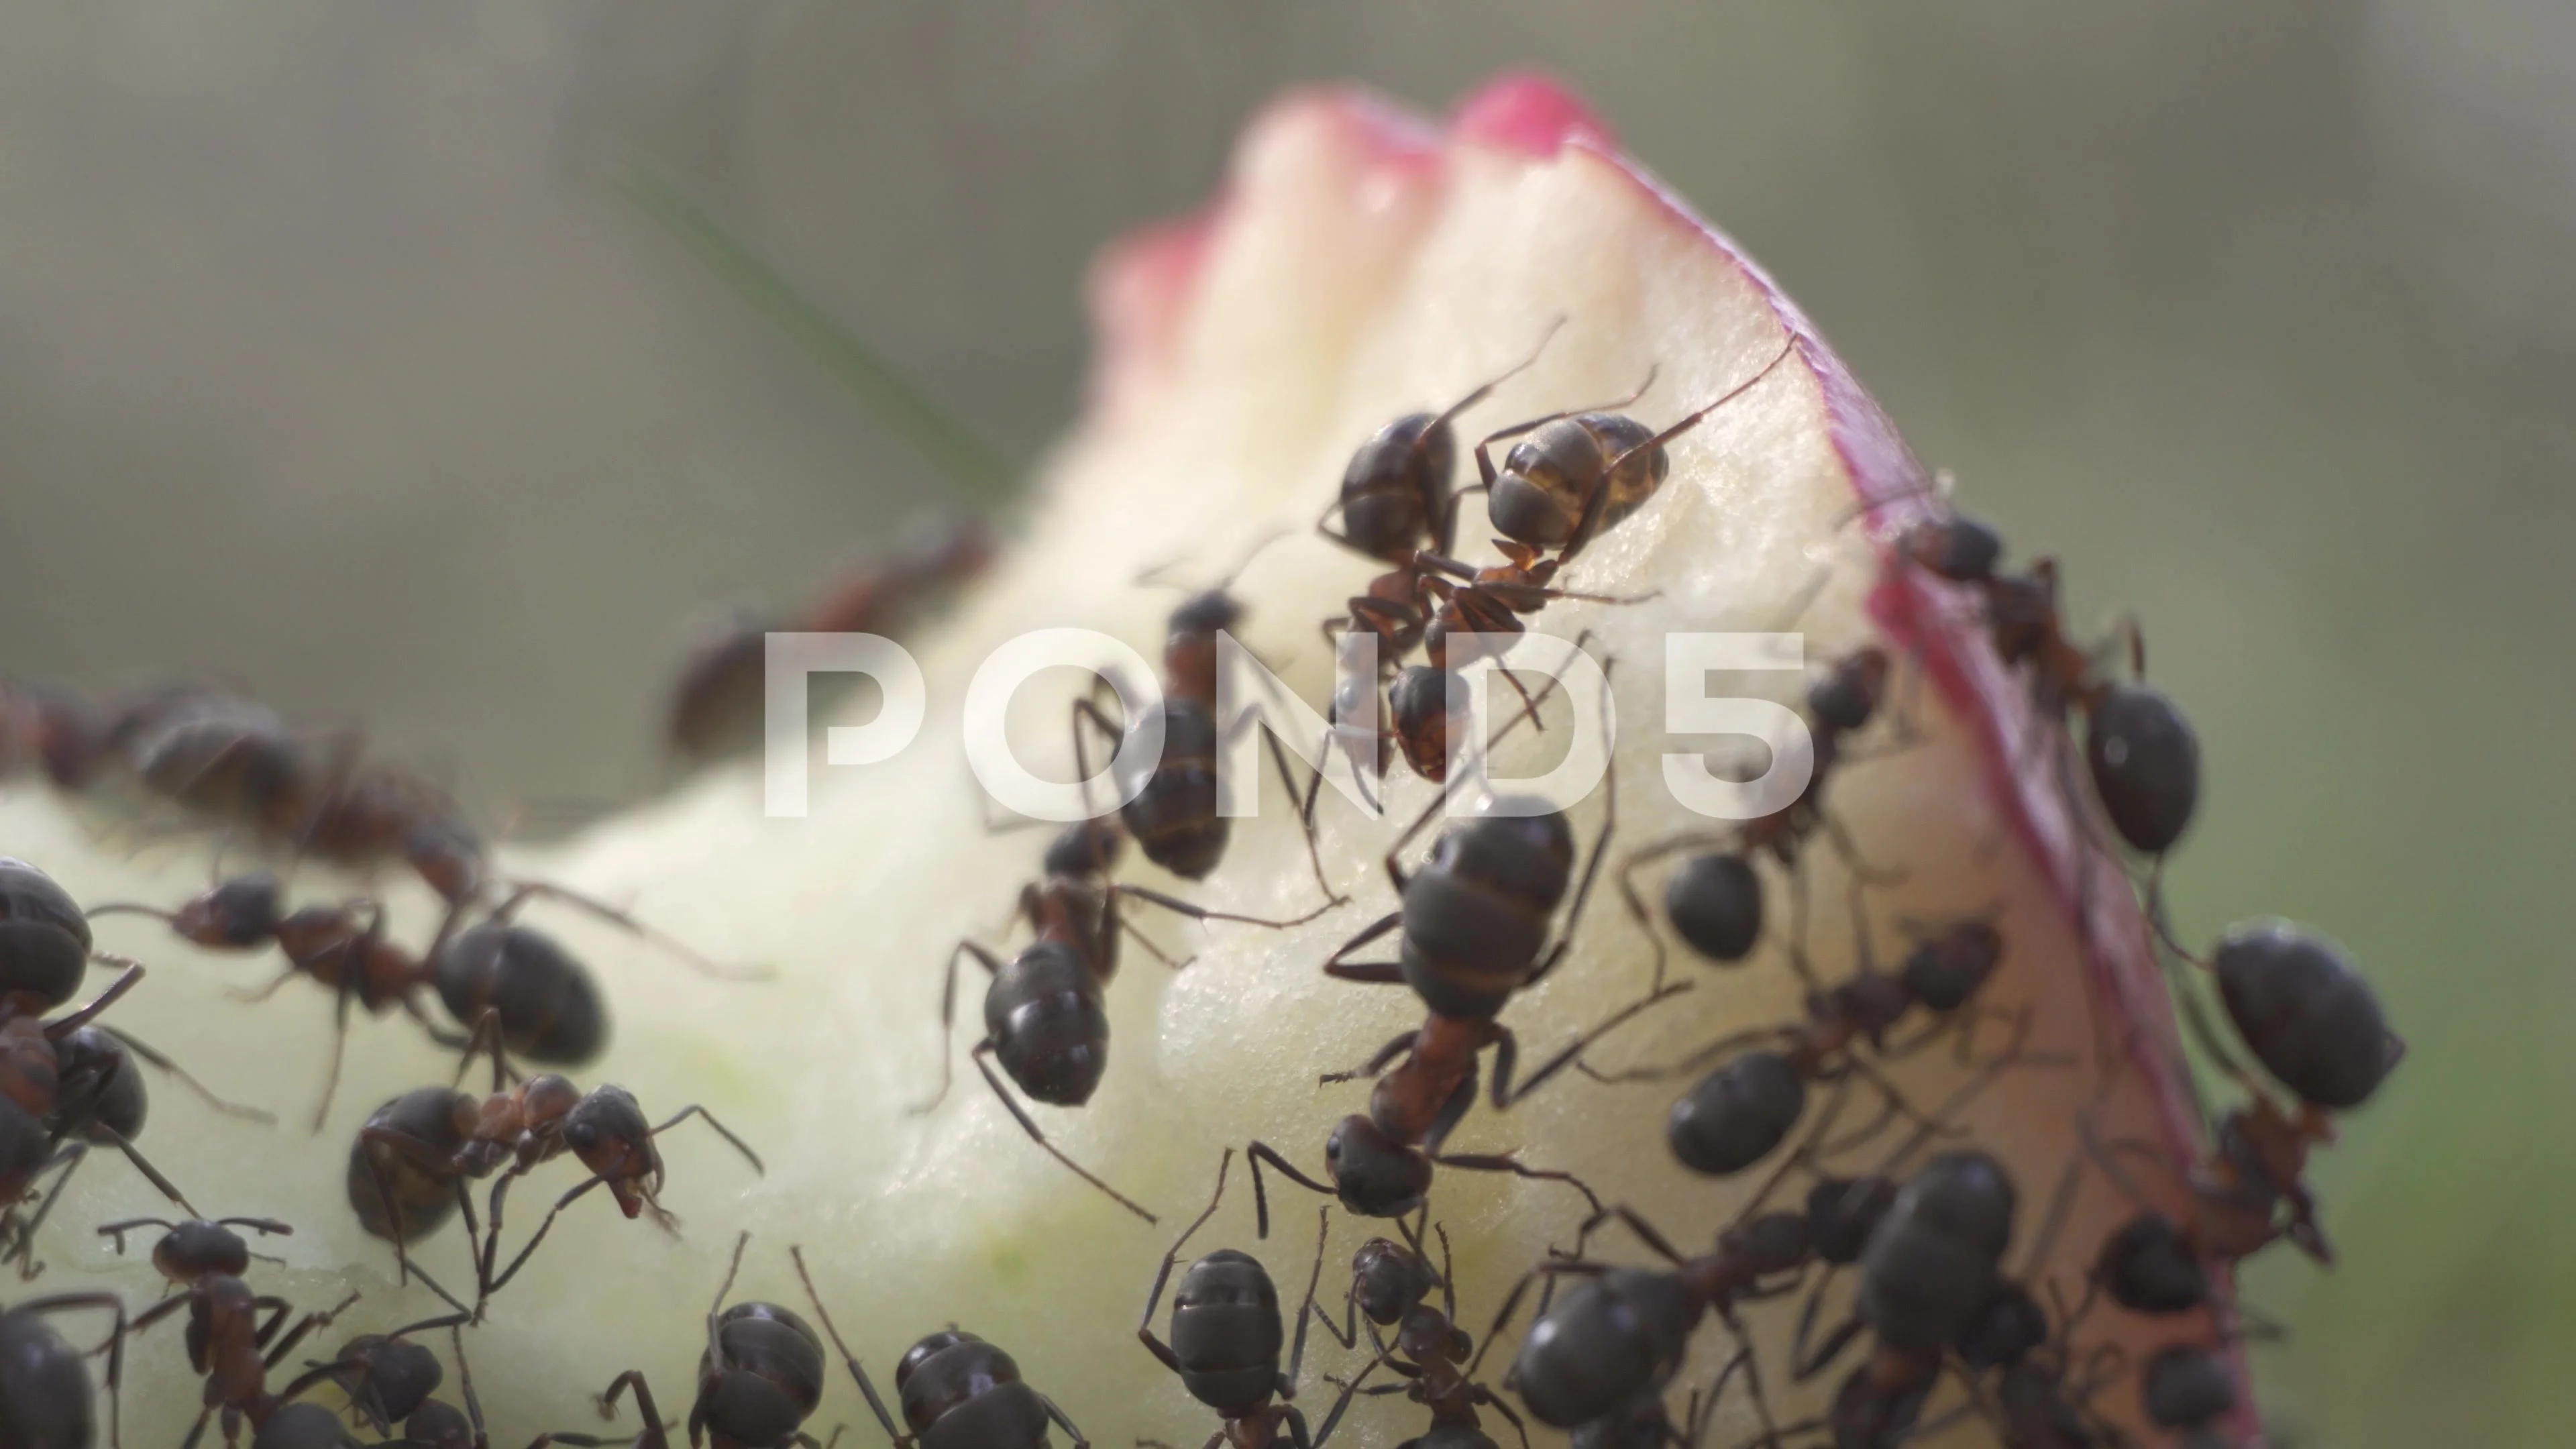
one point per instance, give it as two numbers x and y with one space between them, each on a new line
1388 1279
1843 1212
1419 703
1957 548
1207 612
1375 1175
2145 763
1736 1114
195 1248
1845 698
2005 1331
238 913
2308 1016
1427 1335
1086 848
391 1379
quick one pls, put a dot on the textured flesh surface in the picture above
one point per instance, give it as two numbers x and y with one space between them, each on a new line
1359 264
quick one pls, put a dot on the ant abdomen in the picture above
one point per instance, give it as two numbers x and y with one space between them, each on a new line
1715 902
2149 1266
1374 1175
44 940
1226 1332
960 1392
769 1380
302 1425
1048 1024
1391 478
1476 916
1538 498
2145 763
549 1008
1174 815
2309 1017
1943 971
1961 550
1737 1114
102 1094
1606 1341
1932 1262
396 1196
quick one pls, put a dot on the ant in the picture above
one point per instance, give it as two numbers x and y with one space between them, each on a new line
2313 1022
1736 1114
1430 1350
1576 475
233 1347
410 1164
2188 1389
1226 1337
1395 493
195 1247
1173 811
1715 898
1044 1014
2141 753
759 1379
716 703
957 1391
45 1389
54 730
389 1378
1475 923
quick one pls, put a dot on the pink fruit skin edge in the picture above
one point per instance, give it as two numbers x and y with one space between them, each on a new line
1142 286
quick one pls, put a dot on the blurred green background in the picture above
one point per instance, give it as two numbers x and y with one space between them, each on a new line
333 367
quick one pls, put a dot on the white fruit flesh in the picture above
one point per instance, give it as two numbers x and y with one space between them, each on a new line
1358 267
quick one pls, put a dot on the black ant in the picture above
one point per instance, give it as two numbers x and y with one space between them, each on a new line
1173 811
1715 900
1395 494
2188 1389
1475 923
759 1379
1579 474
1045 1018
1430 1351
2313 1022
717 701
389 1378
45 1389
957 1391
234 1341
410 1164
1226 1337
1734 1116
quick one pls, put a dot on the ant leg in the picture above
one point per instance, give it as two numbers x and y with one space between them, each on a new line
1072 1430
1314 853
162 1062
1507 1048
1375 973
1804 1363
150 1173
1259 1153
992 965
255 995
1499 1162
115 1345
1297 1354
1180 907
1333 1416
565 1201
1153 1300
1028 1125
1626 877
24 1249
278 1351
64 1025
1375 1065
340 1000
1512 1303
1698 1059
670 945
1591 867
1863 871
1752 1374
486 1037
852 1360
702 1114
1146 944
715 1312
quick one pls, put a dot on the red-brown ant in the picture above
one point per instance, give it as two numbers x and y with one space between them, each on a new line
1715 900
957 1391
1395 494
1430 1351
1475 926
233 1348
1045 1018
1226 1337
716 703
1578 474
410 1164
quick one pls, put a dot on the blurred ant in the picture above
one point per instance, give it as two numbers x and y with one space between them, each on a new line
410 1164
1044 1014
1172 811
45 1389
2188 1389
2315 1025
1578 474
233 1348
716 703
1475 925
957 1391
53 730
1226 1337
1734 1116
1715 899
389 1379
1430 1351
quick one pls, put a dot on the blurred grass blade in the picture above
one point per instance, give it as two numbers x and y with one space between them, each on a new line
890 397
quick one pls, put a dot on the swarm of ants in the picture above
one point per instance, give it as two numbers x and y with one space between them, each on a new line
1884 1228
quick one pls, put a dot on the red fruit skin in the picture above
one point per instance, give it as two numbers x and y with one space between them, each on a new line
1143 286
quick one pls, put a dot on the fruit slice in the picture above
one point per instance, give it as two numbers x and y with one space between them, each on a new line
1358 265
